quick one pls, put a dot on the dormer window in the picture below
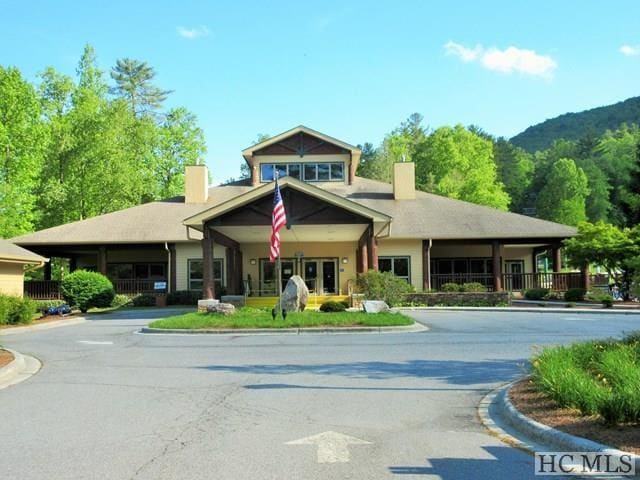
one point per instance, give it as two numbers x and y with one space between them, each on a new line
309 172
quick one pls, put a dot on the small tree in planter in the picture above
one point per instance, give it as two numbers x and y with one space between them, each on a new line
87 289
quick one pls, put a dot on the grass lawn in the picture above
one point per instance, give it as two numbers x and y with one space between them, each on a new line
254 318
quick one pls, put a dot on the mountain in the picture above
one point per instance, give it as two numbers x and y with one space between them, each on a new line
573 126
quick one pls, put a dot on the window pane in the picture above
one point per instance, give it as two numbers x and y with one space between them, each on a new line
142 271
266 172
195 285
337 172
444 267
120 270
195 270
476 266
217 269
294 170
282 170
310 172
401 267
157 270
384 264
460 266
323 171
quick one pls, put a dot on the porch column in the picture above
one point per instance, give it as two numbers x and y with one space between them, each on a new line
231 270
172 267
102 259
47 271
372 249
497 266
364 258
557 258
208 286
426 265
239 278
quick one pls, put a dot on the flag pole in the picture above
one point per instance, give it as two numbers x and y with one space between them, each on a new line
279 269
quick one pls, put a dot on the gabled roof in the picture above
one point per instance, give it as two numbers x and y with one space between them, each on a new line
198 219
15 254
247 152
428 216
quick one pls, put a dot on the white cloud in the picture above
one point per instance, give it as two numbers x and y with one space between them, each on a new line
194 32
510 60
630 50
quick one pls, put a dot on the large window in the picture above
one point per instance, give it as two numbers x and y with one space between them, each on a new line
399 266
195 273
138 271
268 170
447 266
309 172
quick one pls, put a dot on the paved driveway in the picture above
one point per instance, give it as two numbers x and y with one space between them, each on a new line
111 404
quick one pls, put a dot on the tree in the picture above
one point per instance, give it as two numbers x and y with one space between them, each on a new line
459 164
515 170
563 197
134 83
22 143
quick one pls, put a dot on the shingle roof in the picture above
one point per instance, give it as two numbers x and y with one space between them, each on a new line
14 253
428 216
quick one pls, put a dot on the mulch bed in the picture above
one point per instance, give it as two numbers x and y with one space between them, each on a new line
541 408
5 358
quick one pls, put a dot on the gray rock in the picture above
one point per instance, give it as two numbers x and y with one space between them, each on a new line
295 295
375 306
236 300
222 309
203 305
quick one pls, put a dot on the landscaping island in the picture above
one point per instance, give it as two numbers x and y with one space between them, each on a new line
251 318
588 389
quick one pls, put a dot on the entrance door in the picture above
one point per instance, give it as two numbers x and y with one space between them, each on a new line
515 269
311 275
268 283
329 276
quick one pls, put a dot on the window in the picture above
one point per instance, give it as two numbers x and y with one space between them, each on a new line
399 266
195 273
309 172
138 271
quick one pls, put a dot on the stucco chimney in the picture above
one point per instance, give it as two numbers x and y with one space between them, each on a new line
196 184
404 181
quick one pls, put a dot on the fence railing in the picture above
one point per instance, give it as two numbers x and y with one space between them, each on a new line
513 281
50 289
437 280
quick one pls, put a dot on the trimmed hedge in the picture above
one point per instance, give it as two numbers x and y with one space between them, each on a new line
458 299
575 294
145 300
536 293
450 287
332 306
86 290
383 286
16 310
184 297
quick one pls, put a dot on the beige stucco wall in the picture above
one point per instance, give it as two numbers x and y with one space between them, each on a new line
11 278
404 181
192 250
411 248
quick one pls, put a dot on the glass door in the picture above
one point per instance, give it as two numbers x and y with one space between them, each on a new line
329 277
311 275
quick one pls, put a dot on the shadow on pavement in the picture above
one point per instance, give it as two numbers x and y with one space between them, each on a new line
507 463
452 371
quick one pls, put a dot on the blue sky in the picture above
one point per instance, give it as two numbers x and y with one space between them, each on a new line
350 69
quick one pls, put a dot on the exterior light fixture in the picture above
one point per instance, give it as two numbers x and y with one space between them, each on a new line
253 261
345 260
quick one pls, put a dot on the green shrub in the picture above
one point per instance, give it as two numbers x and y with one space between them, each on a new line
16 310
473 287
383 286
346 302
450 287
552 295
121 300
144 300
575 295
43 305
332 306
86 290
184 297
607 302
536 293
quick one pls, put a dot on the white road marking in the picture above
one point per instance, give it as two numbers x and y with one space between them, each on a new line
333 447
93 342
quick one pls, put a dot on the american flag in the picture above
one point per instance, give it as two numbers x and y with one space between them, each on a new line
278 220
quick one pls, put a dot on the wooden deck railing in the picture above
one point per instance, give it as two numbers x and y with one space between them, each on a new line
50 289
513 281
440 279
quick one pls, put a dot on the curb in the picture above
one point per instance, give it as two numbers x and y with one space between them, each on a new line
21 368
42 326
416 327
601 311
535 435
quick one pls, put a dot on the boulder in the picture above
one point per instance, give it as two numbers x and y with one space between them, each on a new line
295 295
221 309
203 305
375 306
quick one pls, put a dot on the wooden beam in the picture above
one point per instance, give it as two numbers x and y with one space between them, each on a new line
231 269
556 258
172 267
372 249
102 259
426 266
222 239
497 266
208 285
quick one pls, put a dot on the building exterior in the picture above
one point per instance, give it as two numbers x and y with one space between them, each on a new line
216 239
14 261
